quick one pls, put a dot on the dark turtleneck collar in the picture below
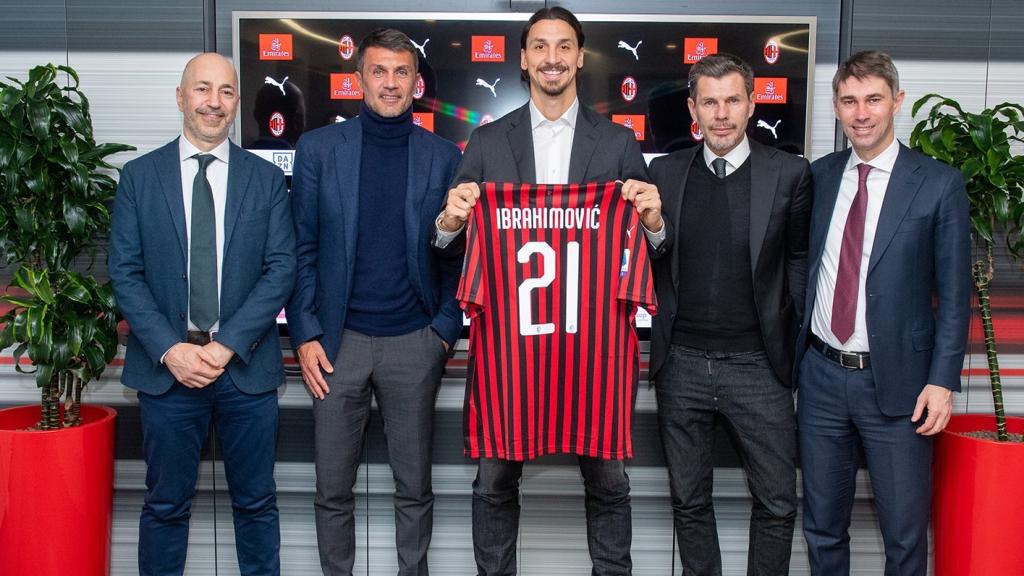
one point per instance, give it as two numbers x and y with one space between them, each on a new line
385 131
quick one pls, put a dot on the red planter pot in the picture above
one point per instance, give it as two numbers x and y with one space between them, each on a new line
978 509
56 491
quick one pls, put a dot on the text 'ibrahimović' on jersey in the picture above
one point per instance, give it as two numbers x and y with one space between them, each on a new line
552 278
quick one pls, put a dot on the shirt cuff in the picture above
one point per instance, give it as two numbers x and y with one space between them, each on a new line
655 238
443 237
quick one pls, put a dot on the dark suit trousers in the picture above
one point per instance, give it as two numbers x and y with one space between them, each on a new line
837 410
174 427
404 373
696 387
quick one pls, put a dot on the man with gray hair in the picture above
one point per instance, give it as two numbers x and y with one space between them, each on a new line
878 362
730 290
374 309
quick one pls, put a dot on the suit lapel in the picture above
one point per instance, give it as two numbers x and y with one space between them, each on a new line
347 157
420 157
903 186
170 181
239 174
763 188
826 190
584 142
674 207
520 139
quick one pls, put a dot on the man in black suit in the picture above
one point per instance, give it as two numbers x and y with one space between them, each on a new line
888 305
550 140
730 288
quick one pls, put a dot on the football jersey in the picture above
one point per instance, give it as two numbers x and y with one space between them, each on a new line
552 278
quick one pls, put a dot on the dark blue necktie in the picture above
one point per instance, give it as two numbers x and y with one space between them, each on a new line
202 270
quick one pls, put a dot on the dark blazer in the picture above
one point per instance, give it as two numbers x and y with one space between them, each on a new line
780 209
502 151
148 266
921 250
325 208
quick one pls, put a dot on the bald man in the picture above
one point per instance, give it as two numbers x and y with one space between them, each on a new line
202 258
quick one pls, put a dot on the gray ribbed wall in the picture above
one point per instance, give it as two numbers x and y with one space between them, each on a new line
130 56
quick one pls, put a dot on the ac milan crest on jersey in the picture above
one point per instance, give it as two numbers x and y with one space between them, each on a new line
552 278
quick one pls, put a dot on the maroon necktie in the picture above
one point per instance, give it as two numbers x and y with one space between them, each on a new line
844 301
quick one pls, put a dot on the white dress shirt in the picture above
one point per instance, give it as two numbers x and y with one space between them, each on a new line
877 182
733 160
552 150
217 174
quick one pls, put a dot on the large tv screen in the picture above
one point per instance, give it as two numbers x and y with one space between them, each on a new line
297 73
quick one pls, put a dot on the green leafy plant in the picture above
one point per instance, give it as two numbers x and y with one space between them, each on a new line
981 146
54 195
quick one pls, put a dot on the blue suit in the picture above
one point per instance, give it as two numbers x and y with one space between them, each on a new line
325 183
149 271
403 370
921 252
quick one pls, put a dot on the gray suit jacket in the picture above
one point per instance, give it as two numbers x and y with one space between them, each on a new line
502 151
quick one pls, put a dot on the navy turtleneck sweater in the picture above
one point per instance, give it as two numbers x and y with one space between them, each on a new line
383 302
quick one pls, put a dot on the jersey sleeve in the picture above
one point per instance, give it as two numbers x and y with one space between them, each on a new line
636 279
472 293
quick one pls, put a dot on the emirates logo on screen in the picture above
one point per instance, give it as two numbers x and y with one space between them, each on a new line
628 88
635 122
275 46
771 51
488 49
276 124
770 90
424 120
420 88
346 47
345 87
697 48
695 132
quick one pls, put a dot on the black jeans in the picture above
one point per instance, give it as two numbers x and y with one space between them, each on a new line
496 516
693 388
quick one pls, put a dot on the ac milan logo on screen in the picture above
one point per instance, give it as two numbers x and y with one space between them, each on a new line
628 88
635 122
488 49
695 131
770 90
698 48
486 119
346 47
275 46
276 124
420 88
345 87
771 51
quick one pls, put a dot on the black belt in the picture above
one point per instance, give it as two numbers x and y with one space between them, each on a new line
198 337
851 360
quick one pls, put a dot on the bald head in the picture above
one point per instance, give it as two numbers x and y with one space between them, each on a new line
208 99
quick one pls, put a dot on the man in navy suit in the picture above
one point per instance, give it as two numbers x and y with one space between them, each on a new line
373 311
878 363
202 258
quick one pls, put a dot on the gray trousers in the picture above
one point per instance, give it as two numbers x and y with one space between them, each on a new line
403 372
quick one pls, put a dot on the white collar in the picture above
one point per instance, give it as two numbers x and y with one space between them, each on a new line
187 150
735 157
568 117
884 161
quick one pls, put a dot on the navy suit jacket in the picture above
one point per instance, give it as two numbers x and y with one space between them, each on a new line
325 208
148 265
921 252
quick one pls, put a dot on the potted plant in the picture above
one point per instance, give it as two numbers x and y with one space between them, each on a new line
979 458
56 459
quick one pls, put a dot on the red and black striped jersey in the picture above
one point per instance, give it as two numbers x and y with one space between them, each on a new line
552 278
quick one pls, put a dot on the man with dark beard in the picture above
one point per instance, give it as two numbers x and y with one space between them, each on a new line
550 140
